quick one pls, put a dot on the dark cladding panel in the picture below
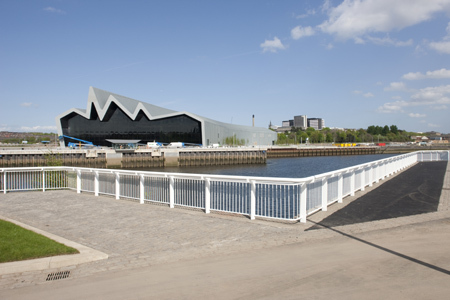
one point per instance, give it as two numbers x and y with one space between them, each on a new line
117 125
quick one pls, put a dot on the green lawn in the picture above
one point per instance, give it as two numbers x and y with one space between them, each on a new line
17 243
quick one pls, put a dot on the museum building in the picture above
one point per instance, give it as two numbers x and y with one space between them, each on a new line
110 117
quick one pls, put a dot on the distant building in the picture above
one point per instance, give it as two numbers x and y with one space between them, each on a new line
111 117
288 123
316 123
300 122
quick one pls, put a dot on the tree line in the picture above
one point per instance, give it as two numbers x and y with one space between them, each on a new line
373 134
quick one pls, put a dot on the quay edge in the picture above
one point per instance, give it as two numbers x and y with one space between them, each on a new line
182 157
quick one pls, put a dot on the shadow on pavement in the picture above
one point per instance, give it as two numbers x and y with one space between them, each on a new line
414 191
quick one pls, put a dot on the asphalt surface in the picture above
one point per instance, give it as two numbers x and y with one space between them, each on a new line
416 191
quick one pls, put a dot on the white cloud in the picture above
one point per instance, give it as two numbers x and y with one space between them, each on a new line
441 47
356 18
26 104
387 41
412 115
392 107
299 32
444 45
38 128
433 125
272 46
308 13
366 95
54 10
396 86
440 107
437 74
437 95
433 97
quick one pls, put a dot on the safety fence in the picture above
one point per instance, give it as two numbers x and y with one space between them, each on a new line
290 199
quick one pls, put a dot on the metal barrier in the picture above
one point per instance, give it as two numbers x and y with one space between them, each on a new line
291 199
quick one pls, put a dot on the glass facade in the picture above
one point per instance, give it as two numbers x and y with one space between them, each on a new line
117 125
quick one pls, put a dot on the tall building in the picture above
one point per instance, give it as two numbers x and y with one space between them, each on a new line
288 123
316 123
300 122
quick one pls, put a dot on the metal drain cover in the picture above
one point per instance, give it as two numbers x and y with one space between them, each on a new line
58 275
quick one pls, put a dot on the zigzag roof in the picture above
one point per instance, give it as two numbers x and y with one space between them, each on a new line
101 100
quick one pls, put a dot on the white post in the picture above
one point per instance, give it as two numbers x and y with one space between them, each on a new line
171 192
371 176
78 181
4 182
96 184
352 183
303 192
363 179
324 194
141 189
117 183
340 187
43 180
207 195
377 172
252 200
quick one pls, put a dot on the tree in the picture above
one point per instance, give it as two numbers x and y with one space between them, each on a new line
394 129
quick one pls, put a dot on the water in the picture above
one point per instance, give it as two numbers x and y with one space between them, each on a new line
293 167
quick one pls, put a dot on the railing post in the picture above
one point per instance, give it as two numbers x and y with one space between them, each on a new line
207 195
4 182
117 183
371 176
363 179
340 187
352 183
252 200
141 189
78 181
303 193
171 192
43 179
324 194
377 172
96 183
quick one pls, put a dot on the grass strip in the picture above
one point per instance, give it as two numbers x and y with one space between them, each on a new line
17 243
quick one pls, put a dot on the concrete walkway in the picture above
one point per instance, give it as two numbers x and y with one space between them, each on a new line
167 253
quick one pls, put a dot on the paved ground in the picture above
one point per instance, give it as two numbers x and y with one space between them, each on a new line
416 191
166 253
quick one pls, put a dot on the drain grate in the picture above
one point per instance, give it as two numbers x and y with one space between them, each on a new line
58 275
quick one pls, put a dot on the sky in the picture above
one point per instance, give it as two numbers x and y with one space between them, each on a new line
354 63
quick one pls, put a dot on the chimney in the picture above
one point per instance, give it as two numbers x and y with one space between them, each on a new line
253 120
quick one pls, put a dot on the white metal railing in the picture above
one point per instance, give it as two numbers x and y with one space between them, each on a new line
275 198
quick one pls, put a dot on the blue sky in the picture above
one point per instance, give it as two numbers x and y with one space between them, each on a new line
352 63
